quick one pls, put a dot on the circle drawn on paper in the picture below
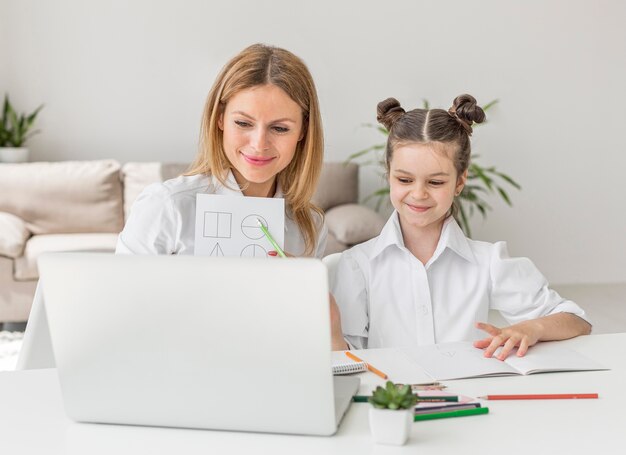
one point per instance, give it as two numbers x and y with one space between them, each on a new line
250 228
254 251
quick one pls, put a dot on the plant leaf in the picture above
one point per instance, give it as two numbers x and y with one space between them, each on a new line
504 196
365 151
508 179
490 104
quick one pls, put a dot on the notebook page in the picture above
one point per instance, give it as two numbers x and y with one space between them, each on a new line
457 360
551 357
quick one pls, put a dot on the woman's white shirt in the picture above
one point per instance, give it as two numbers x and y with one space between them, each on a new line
162 219
388 298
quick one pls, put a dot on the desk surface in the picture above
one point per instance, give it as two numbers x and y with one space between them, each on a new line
32 419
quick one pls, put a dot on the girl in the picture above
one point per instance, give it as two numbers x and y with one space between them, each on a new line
421 281
261 135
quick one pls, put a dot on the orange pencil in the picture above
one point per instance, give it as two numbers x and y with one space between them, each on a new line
369 367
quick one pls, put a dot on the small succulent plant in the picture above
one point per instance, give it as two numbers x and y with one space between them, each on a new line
393 397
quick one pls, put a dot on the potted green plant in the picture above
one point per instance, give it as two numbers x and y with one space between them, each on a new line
481 180
15 130
391 414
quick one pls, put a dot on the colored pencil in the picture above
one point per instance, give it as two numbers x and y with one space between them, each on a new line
444 415
363 399
446 408
548 396
437 398
271 239
425 386
369 366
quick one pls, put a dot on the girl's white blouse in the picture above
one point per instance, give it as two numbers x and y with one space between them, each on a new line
162 219
388 298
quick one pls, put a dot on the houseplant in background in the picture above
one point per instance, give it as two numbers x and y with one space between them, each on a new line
481 180
391 414
15 130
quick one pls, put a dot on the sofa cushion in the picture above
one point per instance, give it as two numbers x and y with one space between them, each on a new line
13 235
64 197
173 170
26 265
338 184
333 245
137 176
354 223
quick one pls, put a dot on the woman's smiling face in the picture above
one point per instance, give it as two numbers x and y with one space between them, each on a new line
261 129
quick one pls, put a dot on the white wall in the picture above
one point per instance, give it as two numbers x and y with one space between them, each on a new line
127 80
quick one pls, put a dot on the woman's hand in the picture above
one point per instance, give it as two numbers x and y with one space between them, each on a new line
337 341
521 335
274 254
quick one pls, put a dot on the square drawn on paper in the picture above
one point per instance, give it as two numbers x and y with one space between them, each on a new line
218 225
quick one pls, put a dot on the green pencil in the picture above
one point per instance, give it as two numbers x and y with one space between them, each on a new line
271 239
423 399
437 398
443 415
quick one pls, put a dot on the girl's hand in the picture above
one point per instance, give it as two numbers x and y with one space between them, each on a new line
521 335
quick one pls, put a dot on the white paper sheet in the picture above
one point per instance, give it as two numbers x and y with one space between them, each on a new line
227 225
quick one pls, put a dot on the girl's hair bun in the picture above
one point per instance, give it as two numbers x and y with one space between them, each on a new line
467 111
388 112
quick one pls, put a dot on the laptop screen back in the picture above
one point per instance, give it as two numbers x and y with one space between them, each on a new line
196 342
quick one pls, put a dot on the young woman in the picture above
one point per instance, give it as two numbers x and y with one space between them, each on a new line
261 136
422 281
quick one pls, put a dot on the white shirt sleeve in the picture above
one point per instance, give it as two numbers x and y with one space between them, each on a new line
151 225
350 292
520 292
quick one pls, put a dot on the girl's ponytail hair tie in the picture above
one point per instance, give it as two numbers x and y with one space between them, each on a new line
464 123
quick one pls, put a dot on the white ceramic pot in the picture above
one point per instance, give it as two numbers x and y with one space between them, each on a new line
13 154
389 426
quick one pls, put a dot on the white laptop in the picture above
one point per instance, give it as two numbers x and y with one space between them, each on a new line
194 342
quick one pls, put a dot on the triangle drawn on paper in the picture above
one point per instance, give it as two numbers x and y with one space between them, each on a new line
217 251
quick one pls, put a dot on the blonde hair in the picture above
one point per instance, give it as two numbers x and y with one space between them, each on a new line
256 65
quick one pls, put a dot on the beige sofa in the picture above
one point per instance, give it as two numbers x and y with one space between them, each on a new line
82 205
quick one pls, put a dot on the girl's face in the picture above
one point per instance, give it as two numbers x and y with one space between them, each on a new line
261 128
423 183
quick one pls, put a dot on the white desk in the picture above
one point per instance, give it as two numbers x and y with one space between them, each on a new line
32 420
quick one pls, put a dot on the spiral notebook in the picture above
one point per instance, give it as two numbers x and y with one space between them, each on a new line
349 368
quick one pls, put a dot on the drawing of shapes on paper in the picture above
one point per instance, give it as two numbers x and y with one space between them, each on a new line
445 351
254 251
250 227
218 225
217 251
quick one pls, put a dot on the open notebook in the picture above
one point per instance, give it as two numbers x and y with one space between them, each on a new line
462 360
